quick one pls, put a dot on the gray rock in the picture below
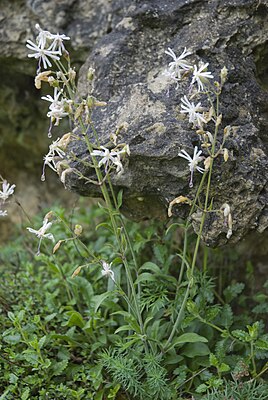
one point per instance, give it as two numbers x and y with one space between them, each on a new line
129 62
126 41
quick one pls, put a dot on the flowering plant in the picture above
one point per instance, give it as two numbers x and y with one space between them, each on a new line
151 308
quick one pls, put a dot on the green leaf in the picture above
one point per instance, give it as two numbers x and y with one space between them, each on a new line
12 339
190 337
120 198
75 319
41 341
131 342
106 226
26 393
261 344
99 299
202 388
193 350
145 277
232 291
214 362
223 368
241 335
59 367
123 328
150 266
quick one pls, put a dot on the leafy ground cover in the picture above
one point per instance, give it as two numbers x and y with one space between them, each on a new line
65 337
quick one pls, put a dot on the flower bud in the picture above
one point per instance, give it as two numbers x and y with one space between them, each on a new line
57 245
49 215
224 73
207 162
90 74
78 229
72 74
64 141
227 131
218 120
225 154
76 272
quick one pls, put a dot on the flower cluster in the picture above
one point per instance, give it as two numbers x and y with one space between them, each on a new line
48 46
49 50
5 193
179 68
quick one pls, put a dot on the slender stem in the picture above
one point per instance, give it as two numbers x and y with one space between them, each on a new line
107 199
186 295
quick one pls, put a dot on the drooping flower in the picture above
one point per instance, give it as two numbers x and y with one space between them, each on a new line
7 190
55 150
226 210
193 162
195 117
57 110
41 233
178 65
201 76
107 271
3 213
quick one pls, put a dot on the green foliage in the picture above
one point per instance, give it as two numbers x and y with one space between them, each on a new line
248 390
81 338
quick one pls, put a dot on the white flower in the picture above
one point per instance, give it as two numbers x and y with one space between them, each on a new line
55 99
107 271
41 233
193 162
190 108
57 111
57 44
55 150
200 76
178 65
42 54
109 158
226 210
42 36
6 191
3 213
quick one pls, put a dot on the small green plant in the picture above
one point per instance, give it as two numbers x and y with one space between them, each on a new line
239 390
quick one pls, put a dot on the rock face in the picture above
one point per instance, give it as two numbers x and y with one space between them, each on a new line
23 122
129 64
126 41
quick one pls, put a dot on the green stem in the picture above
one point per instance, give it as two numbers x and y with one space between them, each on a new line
181 312
107 200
